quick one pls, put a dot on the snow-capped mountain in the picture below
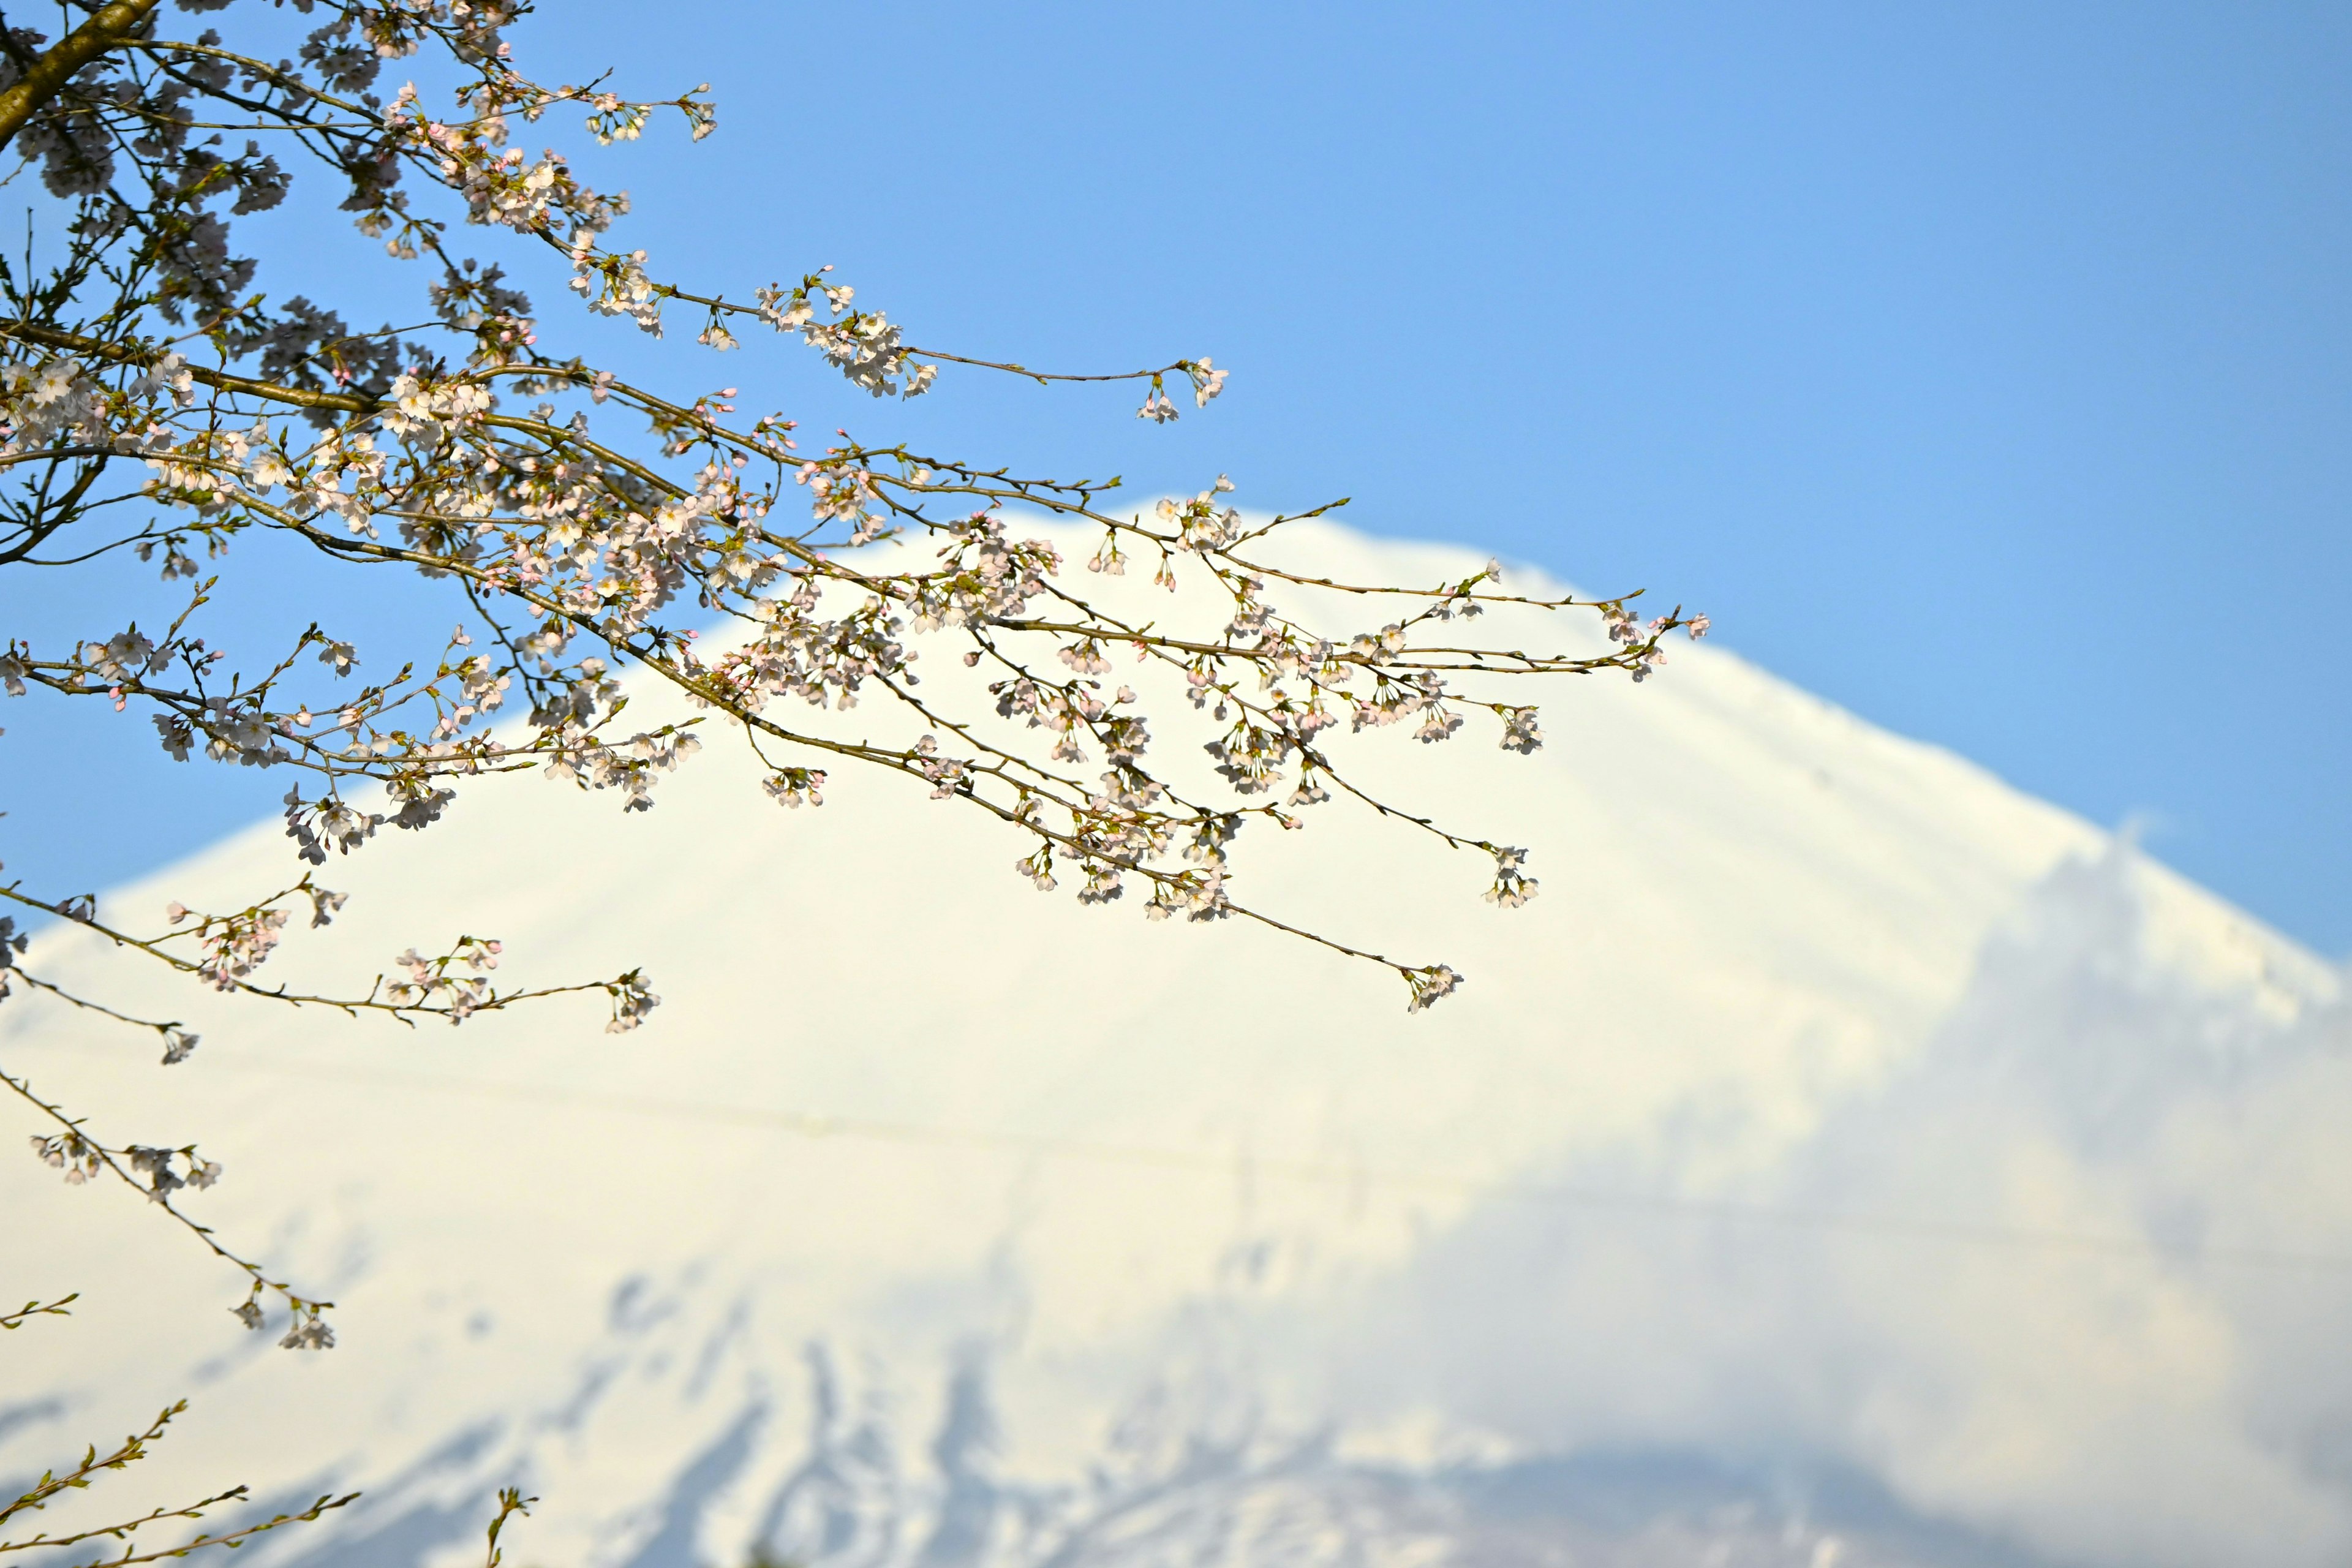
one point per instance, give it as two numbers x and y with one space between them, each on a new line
1845 1159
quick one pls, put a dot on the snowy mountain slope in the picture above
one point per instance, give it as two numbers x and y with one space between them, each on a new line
1845 1159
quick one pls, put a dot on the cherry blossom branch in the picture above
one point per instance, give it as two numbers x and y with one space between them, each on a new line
511 1502
80 1157
226 971
54 1484
133 1449
122 1531
556 537
36 1309
233 1538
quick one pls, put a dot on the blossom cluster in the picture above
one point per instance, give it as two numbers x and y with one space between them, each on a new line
161 1171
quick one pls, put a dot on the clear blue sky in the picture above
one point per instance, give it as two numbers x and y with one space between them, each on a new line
1984 369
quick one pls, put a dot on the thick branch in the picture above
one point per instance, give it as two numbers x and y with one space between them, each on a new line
107 28
135 353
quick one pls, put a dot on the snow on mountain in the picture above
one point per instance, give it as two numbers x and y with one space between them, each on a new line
1845 1159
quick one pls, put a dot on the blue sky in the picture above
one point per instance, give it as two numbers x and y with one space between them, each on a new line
1983 369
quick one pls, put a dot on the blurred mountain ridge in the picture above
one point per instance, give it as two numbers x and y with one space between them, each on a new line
1846 1160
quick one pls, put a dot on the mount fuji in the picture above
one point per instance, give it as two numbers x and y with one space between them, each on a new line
1846 1160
